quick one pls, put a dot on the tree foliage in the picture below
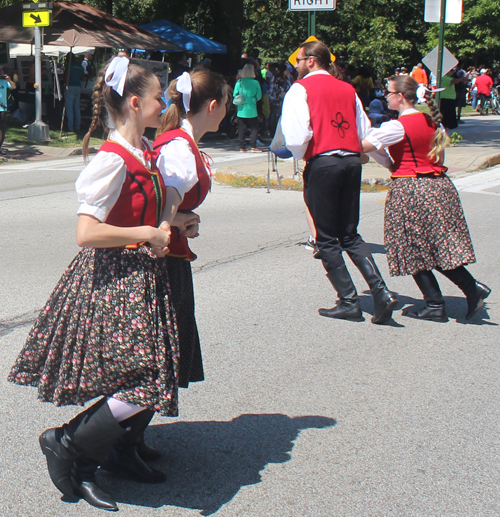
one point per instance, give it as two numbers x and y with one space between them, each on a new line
379 34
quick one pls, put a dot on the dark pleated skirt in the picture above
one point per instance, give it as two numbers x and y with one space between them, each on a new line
181 282
425 227
107 329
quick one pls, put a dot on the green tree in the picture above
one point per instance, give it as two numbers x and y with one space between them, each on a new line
477 39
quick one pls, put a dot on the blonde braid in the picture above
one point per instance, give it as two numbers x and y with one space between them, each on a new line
440 139
96 114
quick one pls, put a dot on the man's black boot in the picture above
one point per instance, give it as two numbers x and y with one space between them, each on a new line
384 301
347 307
434 302
475 291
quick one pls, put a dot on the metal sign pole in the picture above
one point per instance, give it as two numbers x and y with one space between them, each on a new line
38 73
442 20
38 131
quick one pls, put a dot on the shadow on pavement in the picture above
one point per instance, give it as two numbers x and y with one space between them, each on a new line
208 462
24 153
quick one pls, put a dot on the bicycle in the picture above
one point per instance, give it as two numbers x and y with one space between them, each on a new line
490 103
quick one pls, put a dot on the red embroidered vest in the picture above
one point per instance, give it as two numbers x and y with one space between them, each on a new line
410 155
332 106
193 198
142 196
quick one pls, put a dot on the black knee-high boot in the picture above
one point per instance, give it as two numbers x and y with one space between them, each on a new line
475 291
434 302
384 301
90 435
124 458
347 307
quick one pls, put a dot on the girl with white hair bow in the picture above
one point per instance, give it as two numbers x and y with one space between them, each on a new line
108 329
196 105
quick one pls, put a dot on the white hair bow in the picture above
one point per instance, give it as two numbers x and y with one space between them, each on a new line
116 74
185 86
422 89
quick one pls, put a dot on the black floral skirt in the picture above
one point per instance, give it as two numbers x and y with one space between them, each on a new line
181 282
425 227
107 329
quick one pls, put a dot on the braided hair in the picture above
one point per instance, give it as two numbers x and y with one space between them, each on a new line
407 86
137 83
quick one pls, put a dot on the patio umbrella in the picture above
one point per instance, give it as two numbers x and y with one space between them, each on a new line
75 24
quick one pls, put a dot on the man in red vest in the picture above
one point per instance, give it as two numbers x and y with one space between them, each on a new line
323 122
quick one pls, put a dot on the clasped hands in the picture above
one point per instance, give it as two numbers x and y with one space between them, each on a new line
188 224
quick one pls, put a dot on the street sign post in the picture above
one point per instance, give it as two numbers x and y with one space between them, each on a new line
442 11
311 6
38 15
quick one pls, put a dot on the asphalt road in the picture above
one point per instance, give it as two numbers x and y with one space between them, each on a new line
299 416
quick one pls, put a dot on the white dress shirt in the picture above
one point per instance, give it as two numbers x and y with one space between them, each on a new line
177 163
296 119
99 184
389 133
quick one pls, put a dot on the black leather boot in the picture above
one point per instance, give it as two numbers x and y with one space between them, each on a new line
475 291
124 459
347 307
86 487
384 301
90 434
146 452
434 302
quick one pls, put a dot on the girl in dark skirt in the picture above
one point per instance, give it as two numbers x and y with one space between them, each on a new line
425 227
109 329
197 104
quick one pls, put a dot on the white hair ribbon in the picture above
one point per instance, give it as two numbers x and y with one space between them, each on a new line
185 86
422 89
116 74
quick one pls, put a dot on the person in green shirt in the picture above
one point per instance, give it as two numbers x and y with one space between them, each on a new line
447 101
247 112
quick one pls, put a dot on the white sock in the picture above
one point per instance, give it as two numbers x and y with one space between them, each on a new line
122 410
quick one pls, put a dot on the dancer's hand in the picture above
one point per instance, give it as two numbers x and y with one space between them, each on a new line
183 220
161 239
191 231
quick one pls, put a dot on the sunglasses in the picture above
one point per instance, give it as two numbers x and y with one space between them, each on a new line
390 93
299 59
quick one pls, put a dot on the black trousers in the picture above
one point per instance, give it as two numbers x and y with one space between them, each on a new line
243 124
3 126
332 186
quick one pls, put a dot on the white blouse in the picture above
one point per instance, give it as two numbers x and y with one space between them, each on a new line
296 119
389 133
177 163
99 184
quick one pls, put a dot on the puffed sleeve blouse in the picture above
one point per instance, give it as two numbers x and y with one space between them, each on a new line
389 133
99 184
177 164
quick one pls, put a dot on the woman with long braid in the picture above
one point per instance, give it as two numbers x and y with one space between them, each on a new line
425 227
108 329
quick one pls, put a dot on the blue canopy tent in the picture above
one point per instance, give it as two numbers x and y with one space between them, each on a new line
188 40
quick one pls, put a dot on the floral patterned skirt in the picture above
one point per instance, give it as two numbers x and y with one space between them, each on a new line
107 329
425 227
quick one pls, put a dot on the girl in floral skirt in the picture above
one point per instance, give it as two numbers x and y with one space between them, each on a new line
197 104
108 329
425 227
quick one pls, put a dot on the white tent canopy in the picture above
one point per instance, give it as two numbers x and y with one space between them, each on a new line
25 49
